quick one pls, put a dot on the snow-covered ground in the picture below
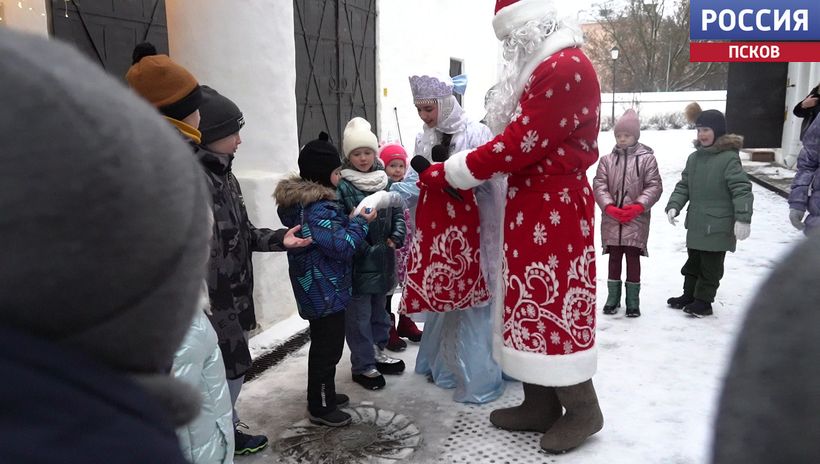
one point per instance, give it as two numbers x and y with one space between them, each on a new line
658 378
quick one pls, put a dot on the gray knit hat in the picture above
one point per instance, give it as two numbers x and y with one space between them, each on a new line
103 215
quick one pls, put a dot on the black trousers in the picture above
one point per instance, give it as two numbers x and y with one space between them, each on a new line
327 340
702 273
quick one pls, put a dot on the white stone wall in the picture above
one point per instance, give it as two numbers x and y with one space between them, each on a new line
25 15
245 50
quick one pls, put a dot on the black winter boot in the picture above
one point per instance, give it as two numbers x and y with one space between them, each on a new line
582 419
678 302
698 308
539 410
334 418
613 298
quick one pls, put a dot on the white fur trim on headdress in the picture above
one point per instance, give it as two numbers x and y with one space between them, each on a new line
357 134
513 16
458 174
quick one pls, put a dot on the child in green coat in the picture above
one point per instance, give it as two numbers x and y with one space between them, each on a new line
720 209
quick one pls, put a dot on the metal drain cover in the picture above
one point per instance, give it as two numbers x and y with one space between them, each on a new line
375 436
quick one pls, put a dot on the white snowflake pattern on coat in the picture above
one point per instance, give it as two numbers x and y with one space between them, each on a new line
556 278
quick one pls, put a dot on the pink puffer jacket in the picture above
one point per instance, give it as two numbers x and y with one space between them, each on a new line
625 177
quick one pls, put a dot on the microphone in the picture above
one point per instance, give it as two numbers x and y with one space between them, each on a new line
440 153
420 164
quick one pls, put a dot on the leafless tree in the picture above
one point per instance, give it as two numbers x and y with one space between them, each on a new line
653 40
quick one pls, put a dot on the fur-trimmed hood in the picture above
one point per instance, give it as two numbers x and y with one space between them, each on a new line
723 143
294 191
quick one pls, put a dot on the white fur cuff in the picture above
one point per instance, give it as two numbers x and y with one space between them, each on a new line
458 174
551 371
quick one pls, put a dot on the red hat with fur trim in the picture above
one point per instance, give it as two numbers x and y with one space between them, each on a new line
511 14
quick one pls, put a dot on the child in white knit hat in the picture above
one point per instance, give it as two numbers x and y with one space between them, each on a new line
367 324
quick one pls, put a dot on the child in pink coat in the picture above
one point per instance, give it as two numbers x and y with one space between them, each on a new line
626 185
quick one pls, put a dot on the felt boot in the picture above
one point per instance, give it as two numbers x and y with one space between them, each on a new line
537 413
582 418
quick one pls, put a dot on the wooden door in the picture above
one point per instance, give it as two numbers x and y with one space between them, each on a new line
107 31
335 65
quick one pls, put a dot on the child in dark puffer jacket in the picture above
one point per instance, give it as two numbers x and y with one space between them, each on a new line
321 273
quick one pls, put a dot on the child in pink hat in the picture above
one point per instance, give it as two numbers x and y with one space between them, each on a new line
626 186
394 158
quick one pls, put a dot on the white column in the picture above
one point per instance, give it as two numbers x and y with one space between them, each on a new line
246 51
25 15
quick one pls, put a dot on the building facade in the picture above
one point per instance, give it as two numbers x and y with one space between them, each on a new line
294 67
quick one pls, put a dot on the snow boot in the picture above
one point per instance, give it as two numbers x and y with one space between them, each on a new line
678 302
582 419
394 343
335 418
539 410
698 308
613 298
407 329
387 365
342 400
633 301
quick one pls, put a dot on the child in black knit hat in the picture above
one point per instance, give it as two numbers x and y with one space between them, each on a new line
720 209
235 238
321 274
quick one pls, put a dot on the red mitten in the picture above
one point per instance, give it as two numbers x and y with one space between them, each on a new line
614 212
632 211
433 177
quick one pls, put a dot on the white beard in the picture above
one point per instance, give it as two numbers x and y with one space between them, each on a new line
525 48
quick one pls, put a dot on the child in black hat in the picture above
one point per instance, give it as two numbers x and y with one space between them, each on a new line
321 274
235 238
720 209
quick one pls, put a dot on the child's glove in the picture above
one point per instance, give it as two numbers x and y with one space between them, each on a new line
796 218
614 212
742 230
671 214
632 211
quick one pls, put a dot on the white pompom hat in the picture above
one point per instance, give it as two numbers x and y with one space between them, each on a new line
511 14
357 134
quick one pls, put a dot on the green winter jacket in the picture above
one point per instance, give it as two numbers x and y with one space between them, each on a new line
374 266
719 193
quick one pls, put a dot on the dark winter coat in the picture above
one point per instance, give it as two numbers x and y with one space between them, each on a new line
625 177
230 269
718 192
374 268
321 273
807 179
808 114
60 406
